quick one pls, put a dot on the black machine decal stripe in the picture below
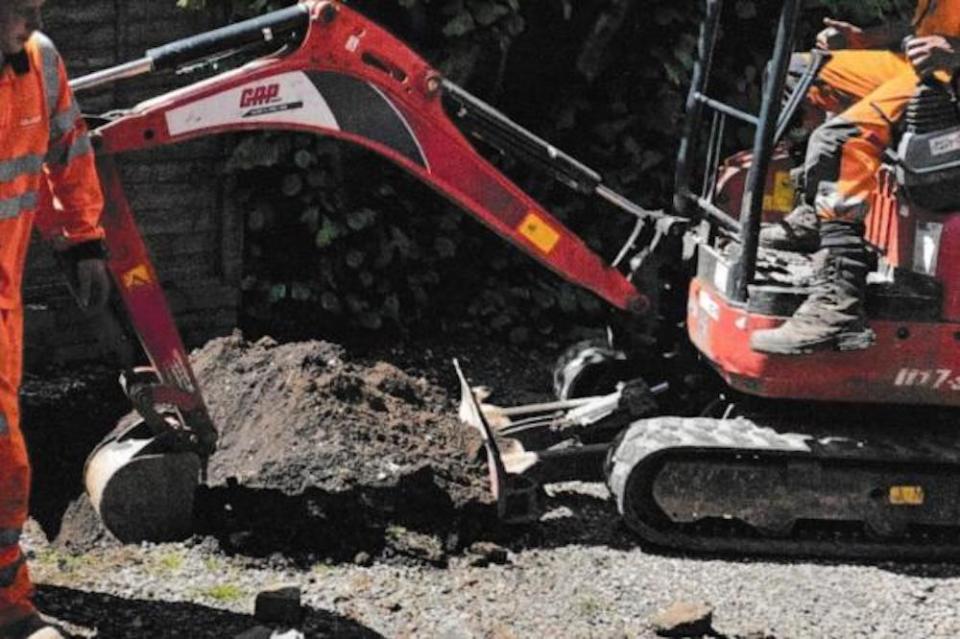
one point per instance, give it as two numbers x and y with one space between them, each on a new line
267 110
362 110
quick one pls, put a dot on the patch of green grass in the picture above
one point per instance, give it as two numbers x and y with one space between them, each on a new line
64 562
170 561
46 557
214 564
394 531
223 592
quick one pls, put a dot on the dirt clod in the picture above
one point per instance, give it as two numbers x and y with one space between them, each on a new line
363 559
485 553
279 604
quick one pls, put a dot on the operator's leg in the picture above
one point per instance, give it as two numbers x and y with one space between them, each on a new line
15 587
845 79
845 153
843 158
849 76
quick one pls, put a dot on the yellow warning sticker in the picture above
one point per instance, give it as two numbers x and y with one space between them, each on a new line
540 234
136 277
906 495
782 198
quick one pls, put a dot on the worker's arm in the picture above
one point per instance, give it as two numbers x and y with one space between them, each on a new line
844 35
933 53
70 218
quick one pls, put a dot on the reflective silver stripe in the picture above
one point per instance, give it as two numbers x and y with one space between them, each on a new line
51 71
63 122
8 574
9 537
14 206
23 165
61 155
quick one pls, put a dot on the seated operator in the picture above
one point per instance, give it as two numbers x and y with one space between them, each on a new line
864 87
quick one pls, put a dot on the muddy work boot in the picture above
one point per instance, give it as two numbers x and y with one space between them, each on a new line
32 627
832 317
798 232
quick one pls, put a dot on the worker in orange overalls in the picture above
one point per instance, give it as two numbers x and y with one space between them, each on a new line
45 156
864 88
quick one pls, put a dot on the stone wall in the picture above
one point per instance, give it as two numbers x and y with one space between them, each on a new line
175 192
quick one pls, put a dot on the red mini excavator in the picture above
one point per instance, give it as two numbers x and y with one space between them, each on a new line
705 444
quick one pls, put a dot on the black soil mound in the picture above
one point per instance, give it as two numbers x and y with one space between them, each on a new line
325 458
299 416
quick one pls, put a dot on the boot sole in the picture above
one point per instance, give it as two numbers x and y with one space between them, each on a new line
857 341
843 342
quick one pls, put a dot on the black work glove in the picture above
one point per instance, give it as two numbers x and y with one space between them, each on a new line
840 35
933 53
86 265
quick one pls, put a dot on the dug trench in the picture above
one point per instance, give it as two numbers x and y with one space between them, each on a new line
323 456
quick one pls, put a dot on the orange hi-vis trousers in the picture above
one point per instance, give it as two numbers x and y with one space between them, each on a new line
43 143
15 588
864 92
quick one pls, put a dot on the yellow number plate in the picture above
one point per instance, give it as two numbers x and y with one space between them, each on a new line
783 196
906 495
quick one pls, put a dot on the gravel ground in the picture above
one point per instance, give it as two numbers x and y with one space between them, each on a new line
575 575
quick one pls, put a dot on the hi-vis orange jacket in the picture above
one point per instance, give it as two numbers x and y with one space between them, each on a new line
938 17
43 141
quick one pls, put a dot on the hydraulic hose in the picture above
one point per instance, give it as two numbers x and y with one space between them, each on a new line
277 25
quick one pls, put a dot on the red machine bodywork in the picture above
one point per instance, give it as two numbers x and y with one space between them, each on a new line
139 287
912 238
911 362
778 193
350 80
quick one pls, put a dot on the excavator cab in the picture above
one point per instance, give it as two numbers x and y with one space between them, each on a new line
911 231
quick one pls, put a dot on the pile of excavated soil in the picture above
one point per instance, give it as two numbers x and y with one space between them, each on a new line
301 415
323 457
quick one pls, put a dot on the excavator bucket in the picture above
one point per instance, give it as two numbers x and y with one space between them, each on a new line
142 478
142 489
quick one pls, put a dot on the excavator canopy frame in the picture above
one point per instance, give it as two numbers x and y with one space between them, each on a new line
769 126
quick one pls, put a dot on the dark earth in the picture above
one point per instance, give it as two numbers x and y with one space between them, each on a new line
309 434
324 455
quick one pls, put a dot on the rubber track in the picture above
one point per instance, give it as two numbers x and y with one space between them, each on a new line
644 446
